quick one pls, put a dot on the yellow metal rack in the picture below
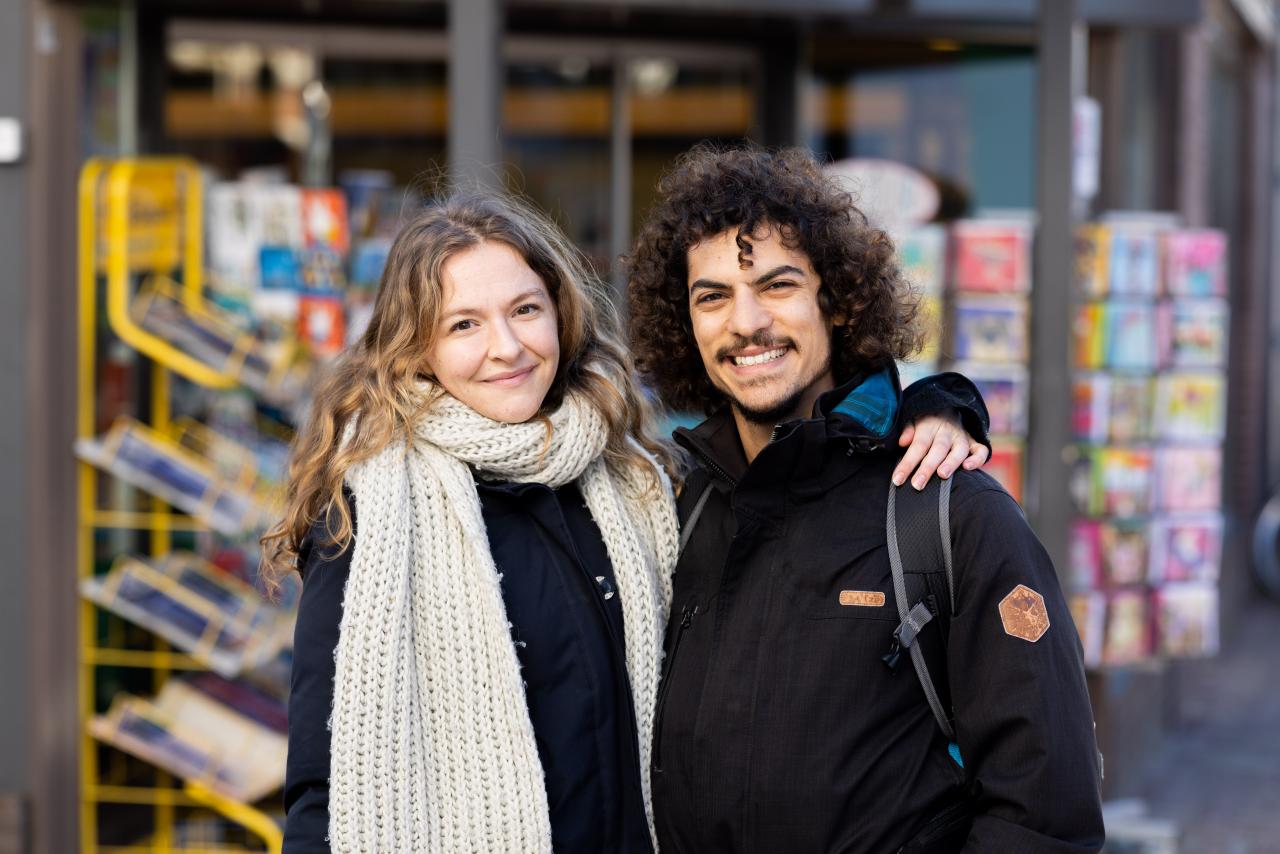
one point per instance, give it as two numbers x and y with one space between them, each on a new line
138 217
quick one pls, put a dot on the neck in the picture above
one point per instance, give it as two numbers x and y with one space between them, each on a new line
754 435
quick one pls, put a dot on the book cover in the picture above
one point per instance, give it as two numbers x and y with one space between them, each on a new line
1122 481
280 269
1123 544
1004 388
991 257
1085 555
922 257
1135 260
1093 255
1195 263
1188 619
1131 408
1131 335
1193 333
1128 635
1190 405
1090 407
1189 478
989 329
1089 336
324 219
1186 548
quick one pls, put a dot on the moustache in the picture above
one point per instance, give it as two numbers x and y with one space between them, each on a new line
760 340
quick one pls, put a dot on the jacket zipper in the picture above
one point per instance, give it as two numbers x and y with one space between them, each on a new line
687 614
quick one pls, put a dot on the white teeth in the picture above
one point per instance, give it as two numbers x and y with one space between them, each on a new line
759 359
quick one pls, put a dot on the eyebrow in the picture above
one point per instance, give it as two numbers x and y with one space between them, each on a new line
781 270
532 292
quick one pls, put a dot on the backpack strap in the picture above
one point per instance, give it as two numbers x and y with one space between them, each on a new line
918 526
701 487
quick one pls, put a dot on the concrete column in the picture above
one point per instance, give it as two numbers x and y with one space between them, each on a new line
1048 502
476 82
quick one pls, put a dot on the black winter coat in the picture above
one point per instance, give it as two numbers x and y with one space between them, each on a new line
780 728
567 626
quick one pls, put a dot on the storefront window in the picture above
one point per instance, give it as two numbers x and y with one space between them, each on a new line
965 116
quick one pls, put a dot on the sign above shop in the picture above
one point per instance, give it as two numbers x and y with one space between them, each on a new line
893 195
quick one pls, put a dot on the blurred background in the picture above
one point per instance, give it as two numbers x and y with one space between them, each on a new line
197 197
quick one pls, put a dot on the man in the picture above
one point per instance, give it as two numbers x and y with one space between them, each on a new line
759 293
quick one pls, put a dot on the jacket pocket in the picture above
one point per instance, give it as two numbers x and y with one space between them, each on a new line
945 832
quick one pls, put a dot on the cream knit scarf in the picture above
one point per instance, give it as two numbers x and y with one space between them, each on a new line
432 747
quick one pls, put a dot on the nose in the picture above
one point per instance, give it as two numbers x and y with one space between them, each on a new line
748 315
504 346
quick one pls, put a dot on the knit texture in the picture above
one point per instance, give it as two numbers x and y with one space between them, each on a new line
432 746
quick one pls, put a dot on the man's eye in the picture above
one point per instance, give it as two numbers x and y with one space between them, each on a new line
780 284
703 298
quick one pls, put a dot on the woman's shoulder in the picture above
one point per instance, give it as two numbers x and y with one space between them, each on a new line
319 547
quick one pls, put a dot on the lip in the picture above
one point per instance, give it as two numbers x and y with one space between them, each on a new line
756 351
510 378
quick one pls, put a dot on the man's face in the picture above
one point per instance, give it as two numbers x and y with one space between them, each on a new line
764 341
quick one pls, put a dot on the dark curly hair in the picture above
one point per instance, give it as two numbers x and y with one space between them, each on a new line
710 190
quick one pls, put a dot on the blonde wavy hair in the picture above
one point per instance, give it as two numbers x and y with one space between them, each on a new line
375 387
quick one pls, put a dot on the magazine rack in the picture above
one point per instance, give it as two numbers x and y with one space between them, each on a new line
139 219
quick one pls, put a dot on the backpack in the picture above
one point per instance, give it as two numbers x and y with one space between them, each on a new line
918 529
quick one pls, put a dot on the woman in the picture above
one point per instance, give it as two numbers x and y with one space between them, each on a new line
486 650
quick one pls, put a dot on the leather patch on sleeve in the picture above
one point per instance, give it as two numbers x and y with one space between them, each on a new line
1024 614
865 598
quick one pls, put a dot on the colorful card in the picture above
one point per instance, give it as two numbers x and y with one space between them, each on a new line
1190 405
1085 555
1186 548
280 269
1131 335
1091 407
279 214
1189 478
1135 261
1187 614
991 257
1005 466
1089 613
324 218
1193 333
1122 481
1004 388
1124 551
1128 637
1131 408
1089 336
989 329
320 324
922 257
368 258
1093 256
1195 263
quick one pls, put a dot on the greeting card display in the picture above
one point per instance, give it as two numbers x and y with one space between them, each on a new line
1122 481
1089 336
992 257
1186 548
989 329
1005 465
324 220
1189 478
1193 333
1123 544
922 257
1190 405
1085 555
321 322
1195 263
1089 612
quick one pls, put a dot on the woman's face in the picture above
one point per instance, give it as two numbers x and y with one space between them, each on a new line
497 345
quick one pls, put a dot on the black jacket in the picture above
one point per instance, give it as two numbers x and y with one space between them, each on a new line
568 631
779 727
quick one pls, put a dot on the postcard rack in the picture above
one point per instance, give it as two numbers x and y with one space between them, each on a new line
140 285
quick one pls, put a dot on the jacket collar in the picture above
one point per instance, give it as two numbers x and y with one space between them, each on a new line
862 411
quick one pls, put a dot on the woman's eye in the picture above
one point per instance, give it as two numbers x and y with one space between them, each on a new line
462 326
528 308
